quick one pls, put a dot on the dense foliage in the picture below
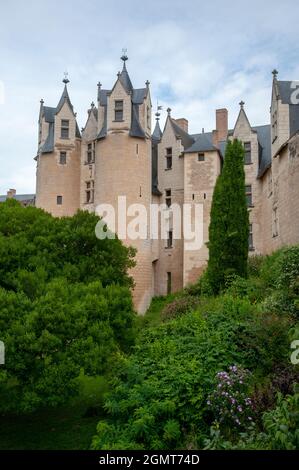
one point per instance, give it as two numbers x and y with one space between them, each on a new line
65 304
229 226
166 394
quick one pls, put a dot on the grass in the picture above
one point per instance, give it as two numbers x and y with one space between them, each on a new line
67 428
152 316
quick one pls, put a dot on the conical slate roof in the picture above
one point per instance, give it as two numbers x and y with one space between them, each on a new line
157 134
125 79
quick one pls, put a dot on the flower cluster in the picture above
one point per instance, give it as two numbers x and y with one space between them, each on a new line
229 402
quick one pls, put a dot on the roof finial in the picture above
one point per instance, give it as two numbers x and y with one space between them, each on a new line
65 80
168 111
99 85
147 83
274 73
92 105
124 57
118 74
41 101
242 104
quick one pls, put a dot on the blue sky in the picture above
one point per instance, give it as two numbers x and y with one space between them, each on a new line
198 56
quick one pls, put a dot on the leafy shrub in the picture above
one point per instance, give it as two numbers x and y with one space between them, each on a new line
179 307
229 401
254 265
251 288
282 380
65 304
282 424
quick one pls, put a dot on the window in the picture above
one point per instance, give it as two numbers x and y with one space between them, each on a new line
89 153
148 117
168 283
59 200
248 191
89 192
65 128
274 126
168 197
169 239
275 222
250 240
62 158
201 157
247 147
169 158
270 183
119 110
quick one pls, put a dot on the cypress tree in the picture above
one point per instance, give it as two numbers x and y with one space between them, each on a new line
229 226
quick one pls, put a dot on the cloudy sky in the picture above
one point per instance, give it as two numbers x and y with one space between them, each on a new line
198 56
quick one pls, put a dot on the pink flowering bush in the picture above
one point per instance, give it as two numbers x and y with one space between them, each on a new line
229 402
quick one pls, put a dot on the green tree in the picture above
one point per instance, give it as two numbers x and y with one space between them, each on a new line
229 227
65 304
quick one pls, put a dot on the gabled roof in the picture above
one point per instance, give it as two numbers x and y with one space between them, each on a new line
264 139
186 138
64 98
202 144
139 94
49 114
137 97
125 79
136 129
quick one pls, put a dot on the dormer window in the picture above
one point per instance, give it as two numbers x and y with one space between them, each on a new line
201 157
65 128
119 110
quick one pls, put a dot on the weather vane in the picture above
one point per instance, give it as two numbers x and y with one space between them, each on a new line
66 80
124 56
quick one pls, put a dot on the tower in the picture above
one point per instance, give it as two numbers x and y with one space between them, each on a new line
58 157
123 167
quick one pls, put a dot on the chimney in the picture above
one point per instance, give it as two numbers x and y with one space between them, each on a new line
221 124
183 123
11 193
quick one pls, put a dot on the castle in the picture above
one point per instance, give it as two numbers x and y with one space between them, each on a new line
116 153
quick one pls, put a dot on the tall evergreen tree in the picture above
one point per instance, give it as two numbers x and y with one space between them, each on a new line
229 227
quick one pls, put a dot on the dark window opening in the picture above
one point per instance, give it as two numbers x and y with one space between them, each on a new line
62 158
248 192
169 283
168 197
169 158
59 200
65 127
169 239
89 192
201 157
119 110
247 158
